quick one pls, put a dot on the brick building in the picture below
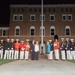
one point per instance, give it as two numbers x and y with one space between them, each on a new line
25 22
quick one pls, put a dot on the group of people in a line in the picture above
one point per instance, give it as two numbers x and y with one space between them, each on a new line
16 49
64 50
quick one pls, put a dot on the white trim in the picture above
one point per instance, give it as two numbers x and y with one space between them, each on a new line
41 17
67 27
4 28
71 17
65 16
34 17
14 17
2 32
47 5
52 27
32 27
19 17
17 27
52 15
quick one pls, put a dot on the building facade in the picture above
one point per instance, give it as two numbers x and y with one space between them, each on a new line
25 22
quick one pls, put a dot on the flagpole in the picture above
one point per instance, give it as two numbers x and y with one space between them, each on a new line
42 23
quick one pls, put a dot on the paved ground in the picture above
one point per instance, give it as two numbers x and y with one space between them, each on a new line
40 67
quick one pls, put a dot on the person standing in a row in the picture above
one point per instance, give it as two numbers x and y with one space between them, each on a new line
1 48
32 45
36 49
72 49
62 48
56 49
51 50
68 45
27 48
16 48
11 51
22 49
48 48
7 48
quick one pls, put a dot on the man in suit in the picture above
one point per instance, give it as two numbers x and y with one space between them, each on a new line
32 44
11 52
7 48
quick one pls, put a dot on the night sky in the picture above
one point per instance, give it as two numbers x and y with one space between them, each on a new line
5 6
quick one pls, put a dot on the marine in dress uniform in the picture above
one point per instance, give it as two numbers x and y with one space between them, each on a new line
48 48
51 50
1 48
11 52
62 48
56 49
7 49
68 45
32 44
16 48
27 49
36 49
22 49
72 49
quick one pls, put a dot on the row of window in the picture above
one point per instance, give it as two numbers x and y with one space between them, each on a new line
32 31
65 17
45 10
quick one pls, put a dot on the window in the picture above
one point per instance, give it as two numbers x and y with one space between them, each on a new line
20 17
43 30
64 17
15 17
40 10
41 17
4 33
49 10
52 17
18 10
32 17
32 30
53 9
67 30
69 17
30 10
44 10
17 30
22 10
70 9
35 10
61 9
66 9
14 10
52 30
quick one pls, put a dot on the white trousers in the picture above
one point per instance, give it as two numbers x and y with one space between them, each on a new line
56 54
72 55
63 55
6 55
11 54
26 54
68 55
51 55
1 54
21 54
16 55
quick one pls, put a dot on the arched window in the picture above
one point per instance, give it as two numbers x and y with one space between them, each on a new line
32 30
67 30
17 30
43 30
52 30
